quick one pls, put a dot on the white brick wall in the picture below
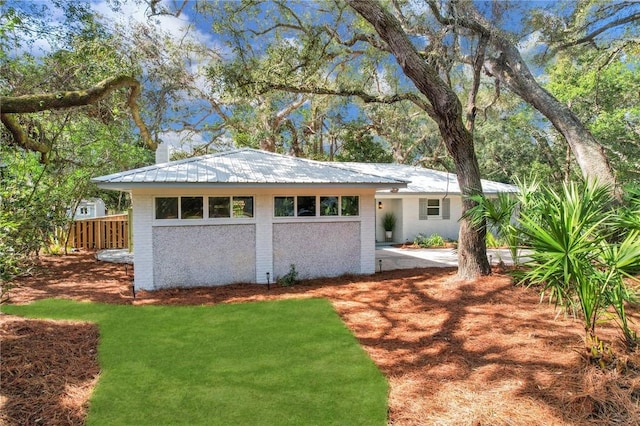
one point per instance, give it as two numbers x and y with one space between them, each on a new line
262 260
367 234
264 238
143 241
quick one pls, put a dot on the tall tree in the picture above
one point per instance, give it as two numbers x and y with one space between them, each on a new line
446 110
77 133
601 87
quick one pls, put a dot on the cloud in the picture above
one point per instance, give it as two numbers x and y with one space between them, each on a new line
531 45
182 141
176 27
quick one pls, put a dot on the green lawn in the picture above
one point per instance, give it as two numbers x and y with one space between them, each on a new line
266 363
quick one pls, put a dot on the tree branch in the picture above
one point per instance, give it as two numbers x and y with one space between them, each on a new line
592 35
478 63
21 137
365 97
75 98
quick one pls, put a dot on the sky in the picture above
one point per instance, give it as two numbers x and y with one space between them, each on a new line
136 11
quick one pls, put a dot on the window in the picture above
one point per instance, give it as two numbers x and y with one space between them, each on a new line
167 208
219 207
194 207
306 206
328 206
242 206
84 210
429 207
283 206
350 206
191 207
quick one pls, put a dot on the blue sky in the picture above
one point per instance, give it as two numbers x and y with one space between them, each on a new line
134 11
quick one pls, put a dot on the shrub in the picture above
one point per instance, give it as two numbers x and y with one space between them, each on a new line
290 278
495 242
579 259
433 240
497 214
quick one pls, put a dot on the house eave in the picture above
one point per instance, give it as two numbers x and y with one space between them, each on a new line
127 187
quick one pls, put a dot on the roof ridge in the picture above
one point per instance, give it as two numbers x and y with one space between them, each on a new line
331 164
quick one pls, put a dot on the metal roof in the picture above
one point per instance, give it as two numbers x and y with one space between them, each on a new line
245 167
250 167
424 181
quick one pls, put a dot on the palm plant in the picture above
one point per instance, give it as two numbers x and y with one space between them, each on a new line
574 260
497 214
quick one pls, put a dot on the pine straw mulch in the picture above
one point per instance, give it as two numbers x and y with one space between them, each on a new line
455 353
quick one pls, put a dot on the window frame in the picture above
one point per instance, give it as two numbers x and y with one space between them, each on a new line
206 210
185 200
210 210
318 210
425 205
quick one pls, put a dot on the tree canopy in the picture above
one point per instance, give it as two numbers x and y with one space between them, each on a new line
491 89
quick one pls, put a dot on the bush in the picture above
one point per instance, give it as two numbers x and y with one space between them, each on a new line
433 240
579 258
290 278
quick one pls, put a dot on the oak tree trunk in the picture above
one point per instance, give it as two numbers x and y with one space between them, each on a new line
589 154
447 112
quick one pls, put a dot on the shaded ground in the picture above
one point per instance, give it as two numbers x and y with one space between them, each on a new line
455 353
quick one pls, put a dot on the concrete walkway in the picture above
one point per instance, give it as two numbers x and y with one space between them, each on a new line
398 258
388 258
115 256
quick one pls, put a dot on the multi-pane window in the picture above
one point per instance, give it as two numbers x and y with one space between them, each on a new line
219 207
310 205
429 207
242 206
434 208
350 206
194 207
166 207
306 206
284 206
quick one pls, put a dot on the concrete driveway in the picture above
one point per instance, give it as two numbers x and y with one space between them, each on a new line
398 258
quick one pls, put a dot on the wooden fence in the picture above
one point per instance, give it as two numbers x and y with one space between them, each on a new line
101 233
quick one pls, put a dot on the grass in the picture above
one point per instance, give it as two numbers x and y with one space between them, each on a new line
265 363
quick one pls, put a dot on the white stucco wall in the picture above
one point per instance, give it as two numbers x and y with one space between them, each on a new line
412 225
408 225
190 256
317 249
174 252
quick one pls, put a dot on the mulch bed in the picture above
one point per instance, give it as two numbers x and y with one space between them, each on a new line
455 353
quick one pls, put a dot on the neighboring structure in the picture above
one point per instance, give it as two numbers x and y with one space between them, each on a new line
89 209
430 203
248 215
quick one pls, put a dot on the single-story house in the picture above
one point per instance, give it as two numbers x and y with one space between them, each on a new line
247 216
431 203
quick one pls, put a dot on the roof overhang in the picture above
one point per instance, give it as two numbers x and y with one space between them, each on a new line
128 187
